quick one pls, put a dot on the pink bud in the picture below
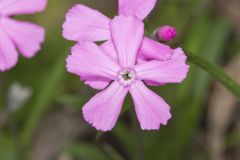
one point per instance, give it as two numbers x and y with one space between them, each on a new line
166 33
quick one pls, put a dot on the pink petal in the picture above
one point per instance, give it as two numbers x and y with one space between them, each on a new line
103 109
138 8
15 7
98 84
110 50
141 60
152 111
83 23
173 70
152 83
91 63
151 49
26 36
127 33
8 53
149 83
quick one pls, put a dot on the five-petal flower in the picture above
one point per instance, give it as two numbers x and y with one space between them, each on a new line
118 67
86 24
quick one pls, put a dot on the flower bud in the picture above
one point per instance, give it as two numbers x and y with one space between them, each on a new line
166 33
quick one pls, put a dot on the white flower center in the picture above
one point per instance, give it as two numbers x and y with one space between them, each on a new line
127 77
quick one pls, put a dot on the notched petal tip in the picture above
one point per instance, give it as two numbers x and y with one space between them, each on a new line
93 124
157 126
84 23
173 70
152 111
88 61
181 58
102 110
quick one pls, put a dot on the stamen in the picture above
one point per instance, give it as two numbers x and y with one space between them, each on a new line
126 77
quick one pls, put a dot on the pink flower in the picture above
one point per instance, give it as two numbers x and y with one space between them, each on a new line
83 23
166 33
115 66
19 36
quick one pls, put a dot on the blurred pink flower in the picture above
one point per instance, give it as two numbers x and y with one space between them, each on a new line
166 33
83 23
16 35
116 66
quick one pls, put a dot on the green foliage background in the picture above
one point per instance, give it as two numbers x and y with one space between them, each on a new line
200 31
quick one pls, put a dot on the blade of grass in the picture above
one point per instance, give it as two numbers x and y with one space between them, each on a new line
44 98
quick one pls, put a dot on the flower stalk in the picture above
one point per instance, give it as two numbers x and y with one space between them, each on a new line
216 72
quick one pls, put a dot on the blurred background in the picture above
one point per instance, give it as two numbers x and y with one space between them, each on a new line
40 103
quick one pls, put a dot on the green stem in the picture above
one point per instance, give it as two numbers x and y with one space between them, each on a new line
139 150
112 152
216 72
